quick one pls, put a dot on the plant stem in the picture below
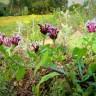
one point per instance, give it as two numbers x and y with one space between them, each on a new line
43 41
54 42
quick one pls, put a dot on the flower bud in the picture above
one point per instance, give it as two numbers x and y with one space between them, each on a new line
34 46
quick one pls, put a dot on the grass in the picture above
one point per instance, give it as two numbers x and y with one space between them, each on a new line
9 24
26 19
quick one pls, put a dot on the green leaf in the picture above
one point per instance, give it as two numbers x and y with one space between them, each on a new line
80 67
85 77
92 68
43 49
54 67
46 77
20 73
79 52
4 51
31 54
17 59
45 59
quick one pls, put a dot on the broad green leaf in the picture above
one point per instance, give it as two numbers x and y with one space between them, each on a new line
43 49
4 51
45 59
46 77
20 73
92 68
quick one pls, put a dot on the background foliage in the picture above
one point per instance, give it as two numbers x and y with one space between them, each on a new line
24 7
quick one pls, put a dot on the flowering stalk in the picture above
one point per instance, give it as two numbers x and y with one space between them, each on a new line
54 42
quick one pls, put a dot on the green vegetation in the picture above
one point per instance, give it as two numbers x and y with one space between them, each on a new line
25 7
48 55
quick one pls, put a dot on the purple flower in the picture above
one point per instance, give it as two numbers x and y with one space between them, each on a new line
1 38
50 30
53 32
44 28
15 40
91 26
7 42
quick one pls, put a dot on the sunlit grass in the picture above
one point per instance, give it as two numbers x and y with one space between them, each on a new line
13 19
8 24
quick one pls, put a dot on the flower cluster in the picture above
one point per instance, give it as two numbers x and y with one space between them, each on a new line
91 26
49 30
14 40
44 28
